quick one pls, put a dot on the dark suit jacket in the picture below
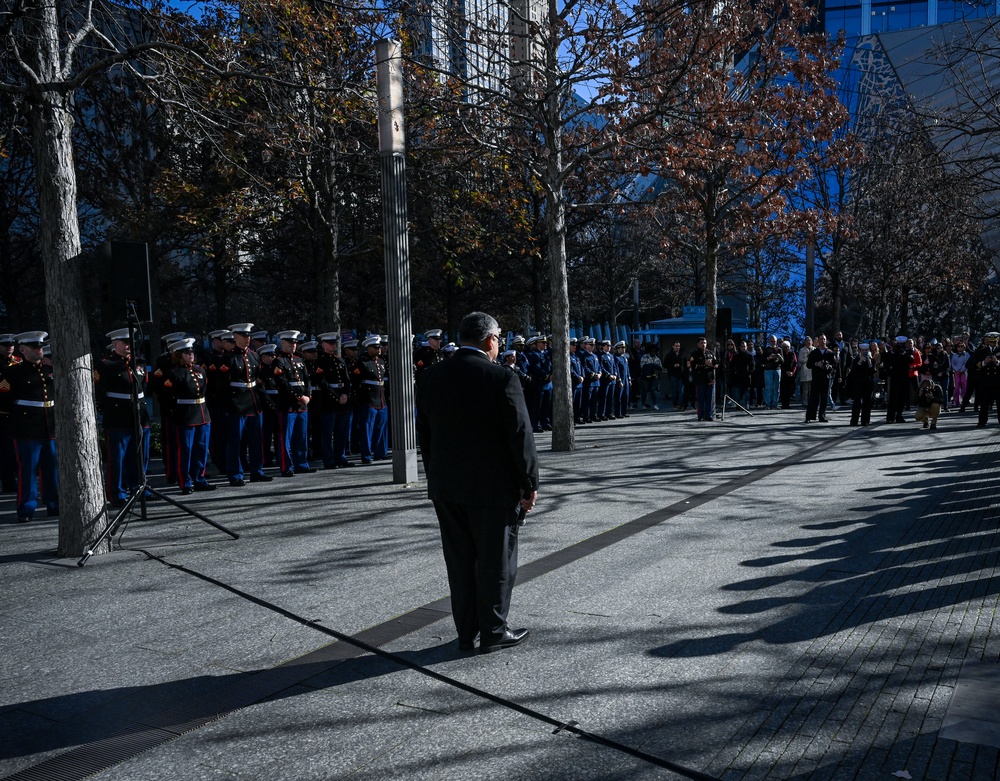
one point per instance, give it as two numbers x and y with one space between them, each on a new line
475 434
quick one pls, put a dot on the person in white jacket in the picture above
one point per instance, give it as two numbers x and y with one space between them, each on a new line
805 373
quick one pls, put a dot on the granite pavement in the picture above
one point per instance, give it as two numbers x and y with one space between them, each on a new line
748 599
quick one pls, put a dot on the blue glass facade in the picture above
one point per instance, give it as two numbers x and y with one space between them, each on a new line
875 16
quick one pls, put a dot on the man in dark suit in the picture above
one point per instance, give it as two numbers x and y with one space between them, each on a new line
482 469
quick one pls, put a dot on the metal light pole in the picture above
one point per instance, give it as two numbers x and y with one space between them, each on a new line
392 149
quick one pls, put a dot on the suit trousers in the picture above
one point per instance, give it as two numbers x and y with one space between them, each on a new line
480 553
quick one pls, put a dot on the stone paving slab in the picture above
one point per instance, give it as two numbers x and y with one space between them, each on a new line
809 624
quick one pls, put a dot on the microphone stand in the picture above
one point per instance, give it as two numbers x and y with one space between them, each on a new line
141 493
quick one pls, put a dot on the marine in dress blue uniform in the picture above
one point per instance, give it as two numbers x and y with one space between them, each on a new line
268 398
368 376
294 391
186 383
117 376
309 352
332 392
216 369
244 410
27 396
426 355
168 440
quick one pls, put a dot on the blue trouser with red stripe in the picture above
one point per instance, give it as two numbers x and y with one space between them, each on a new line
192 453
120 469
251 425
374 440
336 433
294 435
33 454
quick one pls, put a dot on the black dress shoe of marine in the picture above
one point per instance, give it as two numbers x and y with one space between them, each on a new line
288 473
24 519
238 483
186 491
509 639
204 487
261 478
305 471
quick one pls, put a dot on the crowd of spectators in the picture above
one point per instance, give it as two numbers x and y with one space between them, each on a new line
926 375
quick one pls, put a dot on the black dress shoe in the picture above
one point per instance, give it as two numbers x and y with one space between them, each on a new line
509 640
205 486
345 465
186 491
823 420
288 473
307 471
261 478
23 518
239 483
466 645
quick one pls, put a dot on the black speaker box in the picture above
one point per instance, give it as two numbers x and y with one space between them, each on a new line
125 281
723 322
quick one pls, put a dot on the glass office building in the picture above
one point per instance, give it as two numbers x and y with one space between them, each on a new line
871 16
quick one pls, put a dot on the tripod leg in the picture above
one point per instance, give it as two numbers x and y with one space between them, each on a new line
191 512
110 530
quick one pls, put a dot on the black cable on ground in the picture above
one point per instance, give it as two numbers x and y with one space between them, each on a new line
560 726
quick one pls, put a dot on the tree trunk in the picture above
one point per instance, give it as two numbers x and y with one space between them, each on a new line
326 229
563 433
81 494
711 266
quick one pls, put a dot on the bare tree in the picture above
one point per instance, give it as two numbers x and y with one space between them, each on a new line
555 87
732 150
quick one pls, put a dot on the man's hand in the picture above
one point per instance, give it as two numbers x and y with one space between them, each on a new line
528 502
